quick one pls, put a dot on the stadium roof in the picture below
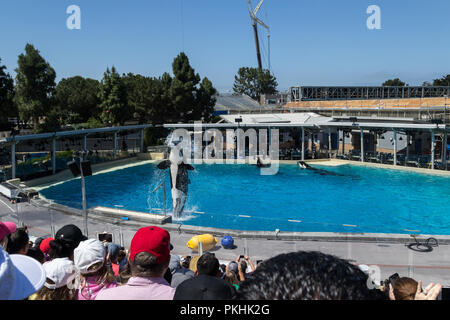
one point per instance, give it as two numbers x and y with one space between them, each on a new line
226 102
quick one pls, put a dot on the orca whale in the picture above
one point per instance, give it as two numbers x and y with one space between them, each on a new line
304 165
179 181
259 164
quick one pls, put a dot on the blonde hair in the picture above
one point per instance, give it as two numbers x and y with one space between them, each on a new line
193 263
231 277
63 293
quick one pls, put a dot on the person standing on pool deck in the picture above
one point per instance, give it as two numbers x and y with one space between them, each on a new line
179 180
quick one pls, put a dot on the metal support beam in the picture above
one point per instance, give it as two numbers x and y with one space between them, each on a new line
142 141
362 145
115 146
395 147
329 142
85 143
432 148
444 152
13 160
343 142
53 155
407 149
303 144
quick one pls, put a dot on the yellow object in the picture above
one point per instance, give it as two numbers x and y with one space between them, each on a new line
208 242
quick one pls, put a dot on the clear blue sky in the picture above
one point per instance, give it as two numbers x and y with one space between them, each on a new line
313 42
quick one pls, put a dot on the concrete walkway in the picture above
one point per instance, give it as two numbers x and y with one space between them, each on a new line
390 257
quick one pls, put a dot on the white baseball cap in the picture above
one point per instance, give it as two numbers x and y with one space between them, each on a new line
20 276
88 253
60 271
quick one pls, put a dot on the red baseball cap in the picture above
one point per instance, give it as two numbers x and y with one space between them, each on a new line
153 240
45 245
7 228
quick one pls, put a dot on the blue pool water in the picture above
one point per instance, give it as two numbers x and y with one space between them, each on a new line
365 199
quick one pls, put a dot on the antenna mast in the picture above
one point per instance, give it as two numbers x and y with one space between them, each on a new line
255 22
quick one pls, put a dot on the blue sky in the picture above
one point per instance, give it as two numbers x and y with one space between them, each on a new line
313 42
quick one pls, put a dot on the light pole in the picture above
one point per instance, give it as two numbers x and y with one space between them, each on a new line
83 169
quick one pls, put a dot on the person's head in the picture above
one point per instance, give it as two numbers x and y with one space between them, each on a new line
243 265
208 264
36 253
185 261
231 277
37 242
223 268
114 251
404 288
59 284
306 276
89 257
6 228
150 252
66 240
20 276
233 266
44 245
18 242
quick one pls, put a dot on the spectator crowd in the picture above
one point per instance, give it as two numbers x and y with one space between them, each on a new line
73 267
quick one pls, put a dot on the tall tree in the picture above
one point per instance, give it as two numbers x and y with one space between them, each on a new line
394 83
183 88
206 100
77 98
444 81
7 105
254 82
35 85
113 99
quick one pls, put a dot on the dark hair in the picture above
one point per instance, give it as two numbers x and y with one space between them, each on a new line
186 262
243 266
208 264
144 265
37 254
306 276
60 248
17 241
37 242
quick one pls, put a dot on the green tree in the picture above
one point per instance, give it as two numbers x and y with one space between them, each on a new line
113 99
35 85
394 83
254 82
77 98
206 100
183 88
7 105
444 81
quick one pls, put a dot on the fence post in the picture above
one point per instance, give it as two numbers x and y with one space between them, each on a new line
200 248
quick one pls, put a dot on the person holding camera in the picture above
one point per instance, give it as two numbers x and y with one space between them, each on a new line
242 261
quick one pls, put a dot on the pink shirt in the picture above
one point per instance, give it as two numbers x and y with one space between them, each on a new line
138 288
90 289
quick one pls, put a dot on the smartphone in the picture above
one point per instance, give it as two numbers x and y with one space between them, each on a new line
105 237
241 256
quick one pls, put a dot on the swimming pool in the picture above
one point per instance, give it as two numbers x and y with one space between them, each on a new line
361 199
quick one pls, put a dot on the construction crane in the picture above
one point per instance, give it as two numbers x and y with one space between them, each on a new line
255 22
